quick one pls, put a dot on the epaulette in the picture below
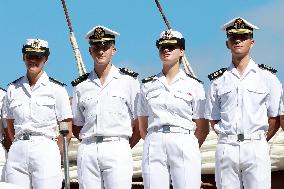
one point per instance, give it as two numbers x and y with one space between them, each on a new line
80 79
265 67
217 74
194 78
128 72
147 79
13 82
3 89
57 82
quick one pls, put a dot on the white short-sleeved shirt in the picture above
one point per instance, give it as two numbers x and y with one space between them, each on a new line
243 103
39 109
281 110
171 104
2 124
108 109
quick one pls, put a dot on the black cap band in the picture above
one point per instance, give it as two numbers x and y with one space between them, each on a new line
42 51
171 41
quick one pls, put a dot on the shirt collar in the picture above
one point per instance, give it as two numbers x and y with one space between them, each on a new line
113 73
43 79
180 75
252 66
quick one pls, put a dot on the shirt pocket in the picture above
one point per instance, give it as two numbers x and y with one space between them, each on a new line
152 95
156 101
256 95
116 103
89 106
226 96
184 96
17 110
182 103
44 110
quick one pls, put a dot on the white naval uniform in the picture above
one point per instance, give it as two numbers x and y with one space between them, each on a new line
3 152
105 110
174 155
36 163
243 105
281 109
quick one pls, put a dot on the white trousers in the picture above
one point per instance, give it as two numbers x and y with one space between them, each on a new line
171 156
3 156
34 164
106 165
246 165
4 185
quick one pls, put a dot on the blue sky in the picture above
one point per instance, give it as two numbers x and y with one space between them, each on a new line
139 23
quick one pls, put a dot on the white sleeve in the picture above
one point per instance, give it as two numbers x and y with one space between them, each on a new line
134 93
274 96
142 107
281 108
212 107
2 121
6 110
199 103
78 118
62 105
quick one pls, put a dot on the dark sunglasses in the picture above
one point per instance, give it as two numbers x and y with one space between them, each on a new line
242 37
168 47
102 46
34 57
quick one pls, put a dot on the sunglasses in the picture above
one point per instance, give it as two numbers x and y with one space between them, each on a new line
242 37
34 57
102 46
168 47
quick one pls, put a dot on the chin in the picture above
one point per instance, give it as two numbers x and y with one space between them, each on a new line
102 63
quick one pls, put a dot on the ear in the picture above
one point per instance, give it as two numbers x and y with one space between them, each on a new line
227 45
46 59
252 43
181 52
90 50
113 51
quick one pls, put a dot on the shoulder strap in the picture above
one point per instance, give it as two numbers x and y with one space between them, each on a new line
128 72
194 78
147 79
3 89
80 79
57 82
268 68
217 74
13 82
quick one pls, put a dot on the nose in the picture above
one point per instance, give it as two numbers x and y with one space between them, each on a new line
238 40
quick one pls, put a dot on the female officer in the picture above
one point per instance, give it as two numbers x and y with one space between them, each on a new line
171 103
34 105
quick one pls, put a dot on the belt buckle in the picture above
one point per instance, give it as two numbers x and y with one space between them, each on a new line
26 136
99 139
241 137
166 129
